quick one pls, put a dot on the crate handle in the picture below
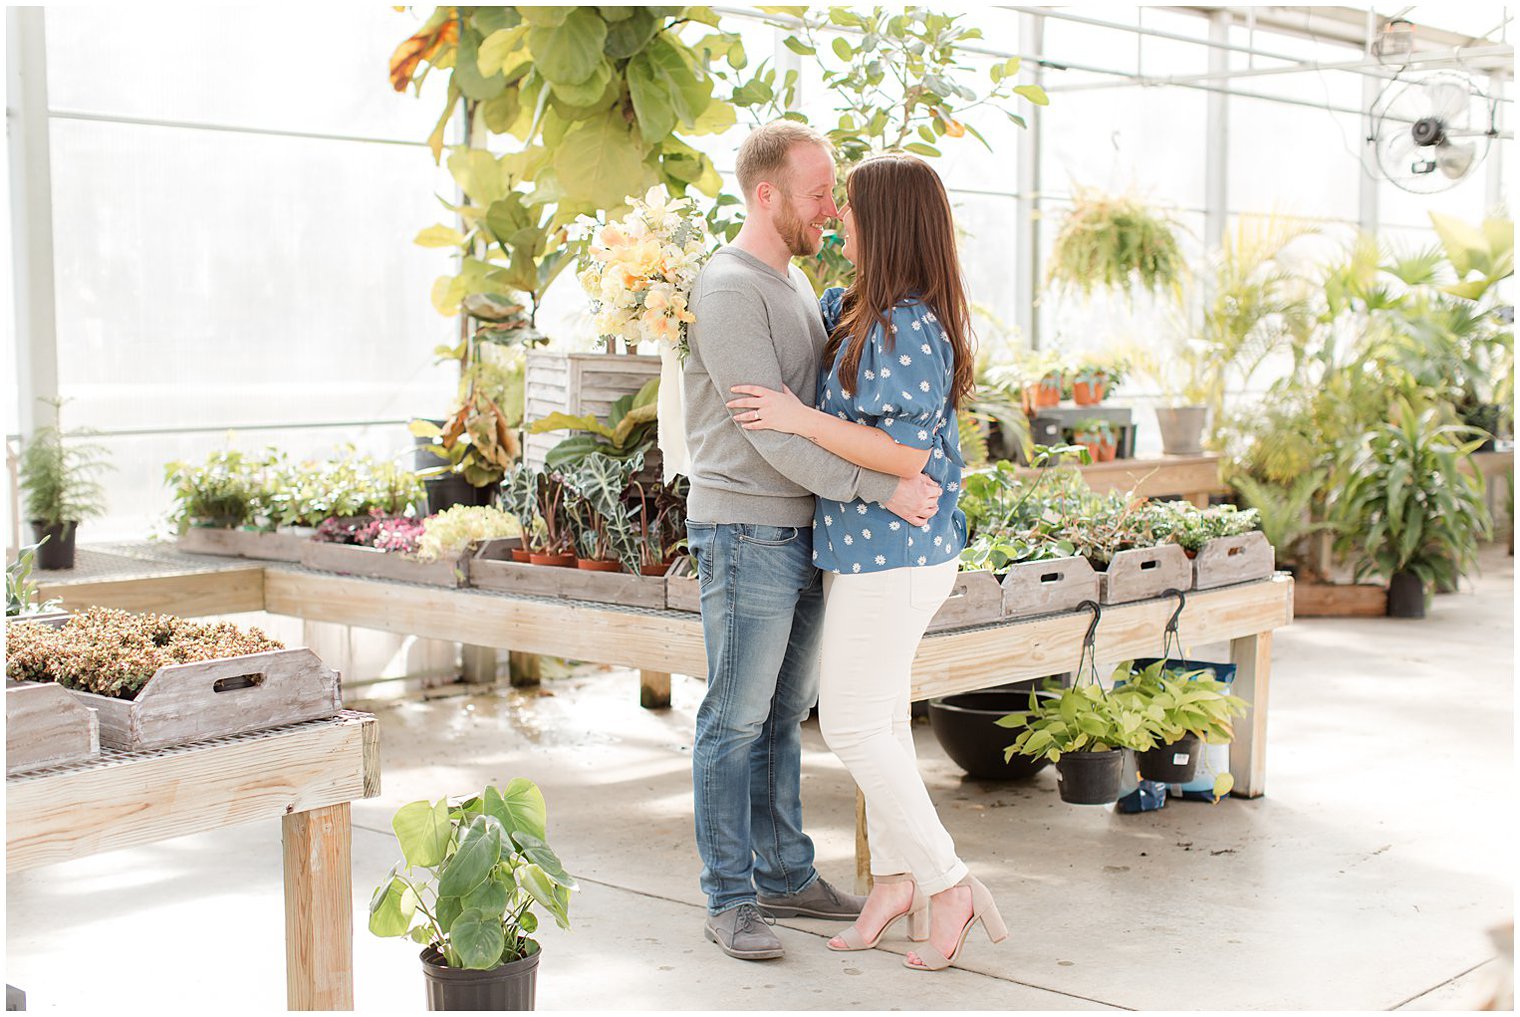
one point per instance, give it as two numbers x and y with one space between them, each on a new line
1051 577
958 591
1150 564
1231 552
237 681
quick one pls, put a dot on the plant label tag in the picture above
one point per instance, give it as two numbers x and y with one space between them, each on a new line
1180 758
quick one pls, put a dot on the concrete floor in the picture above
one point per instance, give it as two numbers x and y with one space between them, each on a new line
1364 880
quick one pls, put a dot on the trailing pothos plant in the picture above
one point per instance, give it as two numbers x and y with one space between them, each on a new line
471 877
1082 718
1177 702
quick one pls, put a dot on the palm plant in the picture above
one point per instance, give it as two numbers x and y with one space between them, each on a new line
1285 512
61 474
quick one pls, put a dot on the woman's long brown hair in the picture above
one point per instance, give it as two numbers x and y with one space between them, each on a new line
904 245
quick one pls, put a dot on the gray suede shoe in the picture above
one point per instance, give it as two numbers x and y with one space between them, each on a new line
818 901
743 932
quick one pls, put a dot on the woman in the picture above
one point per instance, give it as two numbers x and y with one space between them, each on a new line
900 363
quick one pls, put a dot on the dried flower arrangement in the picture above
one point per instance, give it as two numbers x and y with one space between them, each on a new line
114 653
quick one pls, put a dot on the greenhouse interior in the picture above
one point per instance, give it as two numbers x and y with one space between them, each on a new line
704 508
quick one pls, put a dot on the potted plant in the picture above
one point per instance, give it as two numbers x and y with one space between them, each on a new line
1407 510
606 532
1285 513
1087 732
1184 708
467 887
20 589
661 510
60 474
518 497
1094 377
552 541
225 492
1115 242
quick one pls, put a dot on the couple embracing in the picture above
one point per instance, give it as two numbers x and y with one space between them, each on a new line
825 468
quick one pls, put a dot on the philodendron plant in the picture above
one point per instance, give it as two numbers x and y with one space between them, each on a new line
471 876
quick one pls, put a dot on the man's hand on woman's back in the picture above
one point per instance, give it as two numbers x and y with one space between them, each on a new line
915 500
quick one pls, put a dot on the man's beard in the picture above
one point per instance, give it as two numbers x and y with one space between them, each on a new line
796 234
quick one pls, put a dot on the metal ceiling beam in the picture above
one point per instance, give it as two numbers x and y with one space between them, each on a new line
1119 26
1342 25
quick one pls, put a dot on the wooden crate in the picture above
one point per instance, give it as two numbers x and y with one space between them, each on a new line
352 560
1034 588
577 384
1339 600
492 568
1238 559
975 599
1143 572
185 703
683 591
45 725
243 543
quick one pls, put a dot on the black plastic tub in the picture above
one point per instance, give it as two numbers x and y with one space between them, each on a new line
966 726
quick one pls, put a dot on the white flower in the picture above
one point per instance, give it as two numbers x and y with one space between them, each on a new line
861 508
889 421
828 520
922 560
925 527
843 507
894 328
907 398
927 348
888 408
841 415
894 526
848 540
910 541
881 559
870 375
918 326
938 541
939 453
815 555
855 567
835 571
923 435
955 485
923 386
930 317
886 372
866 534
905 360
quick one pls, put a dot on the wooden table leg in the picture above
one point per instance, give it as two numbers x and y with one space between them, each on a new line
862 846
319 909
1252 656
654 690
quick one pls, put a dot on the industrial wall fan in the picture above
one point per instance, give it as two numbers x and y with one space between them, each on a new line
1431 132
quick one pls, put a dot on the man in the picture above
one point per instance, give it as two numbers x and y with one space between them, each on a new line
750 515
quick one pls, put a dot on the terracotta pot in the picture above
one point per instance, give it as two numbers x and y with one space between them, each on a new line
1031 398
598 565
1094 449
521 554
1107 450
1085 393
564 561
657 569
1050 390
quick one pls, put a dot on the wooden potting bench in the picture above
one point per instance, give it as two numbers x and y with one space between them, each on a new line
306 774
660 643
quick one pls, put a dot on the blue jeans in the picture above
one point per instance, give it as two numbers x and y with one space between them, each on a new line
762 617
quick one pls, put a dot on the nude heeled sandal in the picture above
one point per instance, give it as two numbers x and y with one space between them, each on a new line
984 910
917 915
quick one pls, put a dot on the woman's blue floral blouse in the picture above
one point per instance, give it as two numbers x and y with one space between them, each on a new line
904 389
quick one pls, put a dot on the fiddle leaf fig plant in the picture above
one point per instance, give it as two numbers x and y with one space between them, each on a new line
471 876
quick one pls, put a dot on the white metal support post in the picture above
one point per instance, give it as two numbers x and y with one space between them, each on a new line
1026 254
1494 197
1369 182
1216 142
26 122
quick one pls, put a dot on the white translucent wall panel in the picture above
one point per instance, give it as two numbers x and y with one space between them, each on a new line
210 278
1149 141
138 500
311 67
1297 161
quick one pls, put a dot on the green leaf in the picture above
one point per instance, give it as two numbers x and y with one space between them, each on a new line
842 49
569 52
797 46
545 17
524 804
539 853
392 908
478 939
919 148
467 74
490 896
423 830
1034 93
479 851
1224 784
542 889
503 50
631 34
559 421
448 909
648 89
601 163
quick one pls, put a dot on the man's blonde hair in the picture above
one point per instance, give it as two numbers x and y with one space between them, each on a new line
763 154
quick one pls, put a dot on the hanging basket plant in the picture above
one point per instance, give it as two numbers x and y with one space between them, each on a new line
1115 242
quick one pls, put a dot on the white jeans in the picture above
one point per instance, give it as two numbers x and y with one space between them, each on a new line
872 625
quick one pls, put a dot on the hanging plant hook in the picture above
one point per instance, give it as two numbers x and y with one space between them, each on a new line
1171 625
1089 645
1090 640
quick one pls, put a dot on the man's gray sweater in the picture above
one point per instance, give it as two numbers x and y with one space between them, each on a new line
756 326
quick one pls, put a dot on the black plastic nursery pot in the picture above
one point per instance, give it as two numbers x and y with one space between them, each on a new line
452 489
508 987
58 551
1176 763
1406 596
967 729
1092 778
